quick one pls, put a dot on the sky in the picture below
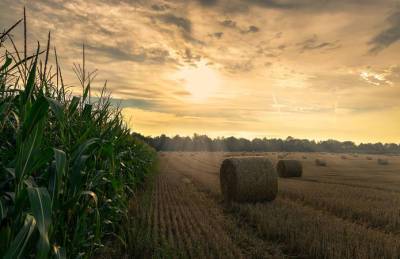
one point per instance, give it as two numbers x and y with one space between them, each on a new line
316 69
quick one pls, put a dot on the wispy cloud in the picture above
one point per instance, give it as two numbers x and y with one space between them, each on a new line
309 53
388 36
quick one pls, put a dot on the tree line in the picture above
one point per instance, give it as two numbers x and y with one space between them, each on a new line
231 144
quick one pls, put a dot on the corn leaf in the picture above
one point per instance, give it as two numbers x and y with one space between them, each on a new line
57 109
38 111
3 211
39 199
17 246
27 151
30 83
60 159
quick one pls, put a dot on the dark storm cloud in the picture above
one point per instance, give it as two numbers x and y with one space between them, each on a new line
388 36
314 44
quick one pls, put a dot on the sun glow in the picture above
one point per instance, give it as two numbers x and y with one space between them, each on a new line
201 81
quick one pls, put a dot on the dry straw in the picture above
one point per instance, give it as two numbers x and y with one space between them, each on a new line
282 156
289 168
248 179
320 162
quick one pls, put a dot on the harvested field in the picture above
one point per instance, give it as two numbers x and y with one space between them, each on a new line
349 209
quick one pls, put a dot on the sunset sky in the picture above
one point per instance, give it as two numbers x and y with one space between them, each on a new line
313 69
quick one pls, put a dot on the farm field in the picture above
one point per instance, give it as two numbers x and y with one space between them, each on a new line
347 209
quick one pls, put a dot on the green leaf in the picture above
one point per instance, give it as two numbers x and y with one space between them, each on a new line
26 95
87 111
40 201
27 150
86 92
7 62
60 159
73 105
57 109
17 246
38 111
3 211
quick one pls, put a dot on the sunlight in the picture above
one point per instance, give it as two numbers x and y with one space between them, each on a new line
200 81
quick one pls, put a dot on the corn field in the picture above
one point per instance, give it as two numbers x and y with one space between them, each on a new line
68 163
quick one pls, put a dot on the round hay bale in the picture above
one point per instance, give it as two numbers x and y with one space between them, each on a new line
320 162
382 161
248 179
289 168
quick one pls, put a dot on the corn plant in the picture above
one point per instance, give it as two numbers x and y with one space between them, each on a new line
68 163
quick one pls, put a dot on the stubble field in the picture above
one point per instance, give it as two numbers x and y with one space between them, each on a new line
348 209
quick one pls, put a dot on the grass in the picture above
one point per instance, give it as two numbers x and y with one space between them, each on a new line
68 165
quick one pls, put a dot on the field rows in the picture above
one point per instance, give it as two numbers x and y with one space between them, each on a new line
312 217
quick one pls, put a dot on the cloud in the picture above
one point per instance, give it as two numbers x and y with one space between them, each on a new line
279 4
180 22
316 5
251 29
228 23
208 2
124 53
236 67
160 7
234 25
314 44
217 35
189 57
388 36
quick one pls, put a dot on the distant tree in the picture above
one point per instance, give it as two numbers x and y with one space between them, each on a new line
290 144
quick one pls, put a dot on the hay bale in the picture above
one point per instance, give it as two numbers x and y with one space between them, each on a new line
320 162
248 179
289 168
382 161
